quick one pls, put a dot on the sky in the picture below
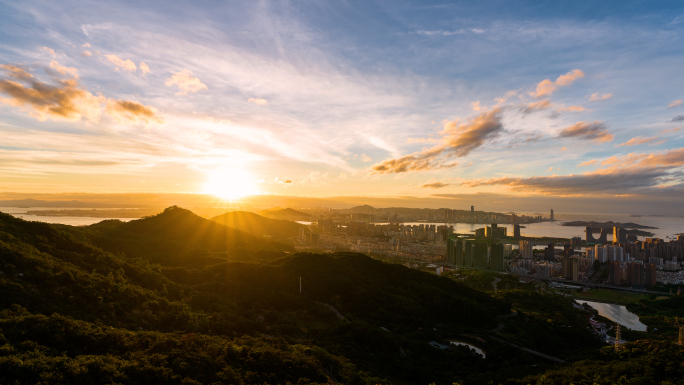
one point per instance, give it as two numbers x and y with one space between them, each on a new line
558 101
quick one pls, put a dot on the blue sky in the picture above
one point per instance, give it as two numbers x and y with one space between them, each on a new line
321 98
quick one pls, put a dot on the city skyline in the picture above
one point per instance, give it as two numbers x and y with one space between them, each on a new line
498 105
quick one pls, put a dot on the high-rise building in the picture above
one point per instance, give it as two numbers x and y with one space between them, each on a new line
516 231
525 249
472 214
551 214
570 267
458 253
650 275
451 252
468 254
549 252
614 273
636 272
480 255
496 257
619 235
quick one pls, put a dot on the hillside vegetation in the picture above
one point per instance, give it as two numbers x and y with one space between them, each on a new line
176 299
259 226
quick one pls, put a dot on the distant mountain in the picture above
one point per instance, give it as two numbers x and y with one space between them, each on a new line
259 226
178 237
288 214
364 209
27 203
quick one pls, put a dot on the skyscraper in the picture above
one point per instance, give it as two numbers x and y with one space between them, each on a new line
496 257
551 214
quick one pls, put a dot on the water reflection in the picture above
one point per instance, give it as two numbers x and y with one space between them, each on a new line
617 313
475 349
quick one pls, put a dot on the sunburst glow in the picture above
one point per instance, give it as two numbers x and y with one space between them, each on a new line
231 183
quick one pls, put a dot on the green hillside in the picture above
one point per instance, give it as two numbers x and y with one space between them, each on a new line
287 214
74 312
177 237
259 226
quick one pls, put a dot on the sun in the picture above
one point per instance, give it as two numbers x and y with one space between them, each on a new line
230 183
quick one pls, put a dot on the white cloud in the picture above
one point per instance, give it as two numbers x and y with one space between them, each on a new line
144 68
186 82
126 65
598 97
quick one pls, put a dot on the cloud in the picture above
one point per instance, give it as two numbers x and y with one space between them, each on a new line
144 68
87 53
670 130
64 70
126 65
678 118
421 140
675 103
288 181
86 45
132 112
186 82
17 72
598 97
441 32
578 184
363 157
547 87
596 131
458 139
588 163
435 185
638 140
537 106
50 51
66 99
571 109
631 173
257 101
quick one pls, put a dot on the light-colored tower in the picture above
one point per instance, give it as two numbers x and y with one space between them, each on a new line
617 338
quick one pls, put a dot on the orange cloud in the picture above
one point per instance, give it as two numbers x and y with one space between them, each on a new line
186 82
675 103
596 131
547 87
126 65
639 140
66 99
64 70
598 97
133 112
588 163
435 185
537 106
572 109
458 139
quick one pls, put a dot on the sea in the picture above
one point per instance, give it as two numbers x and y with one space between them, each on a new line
667 227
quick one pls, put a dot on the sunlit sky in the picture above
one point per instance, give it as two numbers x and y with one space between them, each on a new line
354 98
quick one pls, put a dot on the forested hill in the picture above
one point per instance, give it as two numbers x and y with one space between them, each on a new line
178 237
287 214
71 312
257 225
